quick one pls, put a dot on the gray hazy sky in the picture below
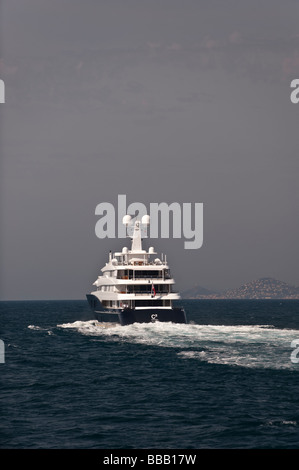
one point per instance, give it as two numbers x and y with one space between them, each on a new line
161 100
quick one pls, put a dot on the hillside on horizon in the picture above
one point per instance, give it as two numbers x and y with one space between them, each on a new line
263 288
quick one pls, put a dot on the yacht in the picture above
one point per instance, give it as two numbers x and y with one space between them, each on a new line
135 285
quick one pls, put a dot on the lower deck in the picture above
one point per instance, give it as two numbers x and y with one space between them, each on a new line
120 304
143 314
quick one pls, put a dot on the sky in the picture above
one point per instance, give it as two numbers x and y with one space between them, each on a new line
163 101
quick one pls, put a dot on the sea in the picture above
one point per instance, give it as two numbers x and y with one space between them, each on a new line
229 379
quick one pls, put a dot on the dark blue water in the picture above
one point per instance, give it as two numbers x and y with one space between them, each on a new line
225 380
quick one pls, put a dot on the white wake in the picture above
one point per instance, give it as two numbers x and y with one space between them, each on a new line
256 346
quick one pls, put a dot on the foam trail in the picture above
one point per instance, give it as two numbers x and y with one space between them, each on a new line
240 345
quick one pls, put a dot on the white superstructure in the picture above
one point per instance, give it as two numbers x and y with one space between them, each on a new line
135 279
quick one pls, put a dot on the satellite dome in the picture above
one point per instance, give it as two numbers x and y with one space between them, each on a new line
127 219
145 219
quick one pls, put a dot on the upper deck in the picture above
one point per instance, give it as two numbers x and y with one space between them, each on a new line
135 265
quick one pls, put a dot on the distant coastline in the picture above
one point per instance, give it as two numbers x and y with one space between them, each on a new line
263 288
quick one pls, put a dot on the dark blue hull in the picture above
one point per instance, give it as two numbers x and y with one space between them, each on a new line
128 316
151 315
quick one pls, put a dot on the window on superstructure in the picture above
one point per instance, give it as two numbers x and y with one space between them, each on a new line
122 274
148 274
147 288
